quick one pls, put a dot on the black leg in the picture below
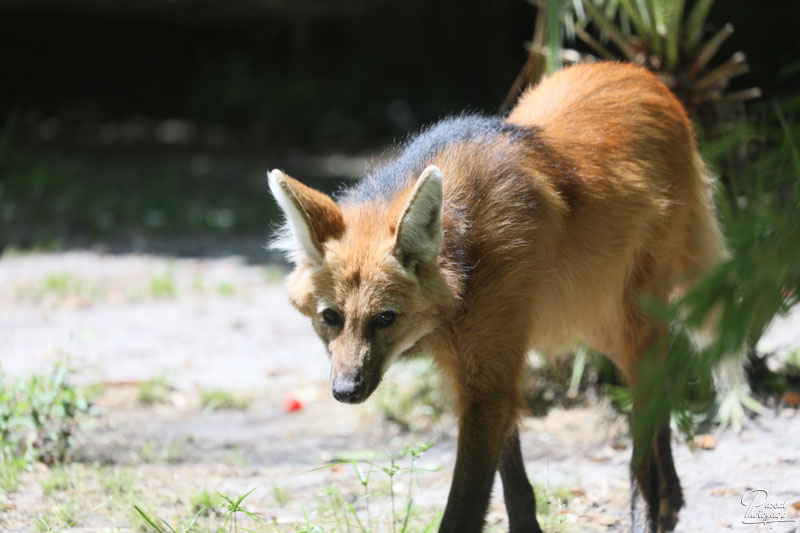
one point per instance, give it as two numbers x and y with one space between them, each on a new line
517 490
644 495
671 495
480 436
655 488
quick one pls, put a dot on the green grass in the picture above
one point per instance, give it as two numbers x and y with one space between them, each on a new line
552 504
10 468
333 511
116 482
65 285
60 283
39 415
204 502
280 494
219 399
153 391
162 286
58 480
49 245
225 289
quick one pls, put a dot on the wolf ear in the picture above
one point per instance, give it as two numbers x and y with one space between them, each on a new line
311 218
419 230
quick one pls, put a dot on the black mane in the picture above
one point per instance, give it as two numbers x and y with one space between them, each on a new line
420 150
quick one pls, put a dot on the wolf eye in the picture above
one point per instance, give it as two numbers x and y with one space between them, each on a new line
385 319
331 317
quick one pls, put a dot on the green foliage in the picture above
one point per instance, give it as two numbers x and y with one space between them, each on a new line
48 195
162 286
232 508
38 418
760 280
658 34
218 399
550 505
280 494
154 391
389 466
204 502
58 480
225 289
337 512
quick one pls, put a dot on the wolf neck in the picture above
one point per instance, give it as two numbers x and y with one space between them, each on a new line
430 146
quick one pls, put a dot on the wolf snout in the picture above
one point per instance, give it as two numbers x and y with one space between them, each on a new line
350 388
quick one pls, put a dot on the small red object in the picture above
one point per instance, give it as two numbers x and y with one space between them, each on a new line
291 404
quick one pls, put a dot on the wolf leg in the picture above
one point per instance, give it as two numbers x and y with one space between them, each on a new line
517 490
482 426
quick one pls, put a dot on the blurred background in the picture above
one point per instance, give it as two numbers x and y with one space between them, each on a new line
127 123
152 372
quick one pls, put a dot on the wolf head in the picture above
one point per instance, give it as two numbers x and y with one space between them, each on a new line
366 274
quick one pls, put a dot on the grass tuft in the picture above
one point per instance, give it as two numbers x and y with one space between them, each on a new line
219 399
154 391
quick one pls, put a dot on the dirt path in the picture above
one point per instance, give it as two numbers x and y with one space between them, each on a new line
220 323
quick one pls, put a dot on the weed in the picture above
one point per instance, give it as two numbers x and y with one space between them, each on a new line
363 470
162 286
204 502
218 399
60 283
43 522
231 506
10 467
64 286
38 416
118 483
551 503
154 391
280 494
58 480
39 246
337 512
225 289
68 511
93 391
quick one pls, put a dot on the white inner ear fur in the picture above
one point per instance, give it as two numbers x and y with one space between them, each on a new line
298 246
419 231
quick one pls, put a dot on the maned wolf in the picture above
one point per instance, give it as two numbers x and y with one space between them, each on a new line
489 236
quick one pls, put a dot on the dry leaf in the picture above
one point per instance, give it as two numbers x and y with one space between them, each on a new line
705 442
791 398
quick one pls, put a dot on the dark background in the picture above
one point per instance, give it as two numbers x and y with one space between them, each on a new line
124 121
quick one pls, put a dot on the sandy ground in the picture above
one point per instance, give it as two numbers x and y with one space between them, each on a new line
223 323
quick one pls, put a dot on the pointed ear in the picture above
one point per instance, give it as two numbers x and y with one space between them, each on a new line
311 218
419 230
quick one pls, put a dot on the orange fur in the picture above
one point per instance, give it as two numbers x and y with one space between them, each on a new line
607 200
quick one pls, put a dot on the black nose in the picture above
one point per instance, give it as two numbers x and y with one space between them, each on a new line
349 389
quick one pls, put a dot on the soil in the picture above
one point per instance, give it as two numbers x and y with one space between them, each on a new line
201 324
